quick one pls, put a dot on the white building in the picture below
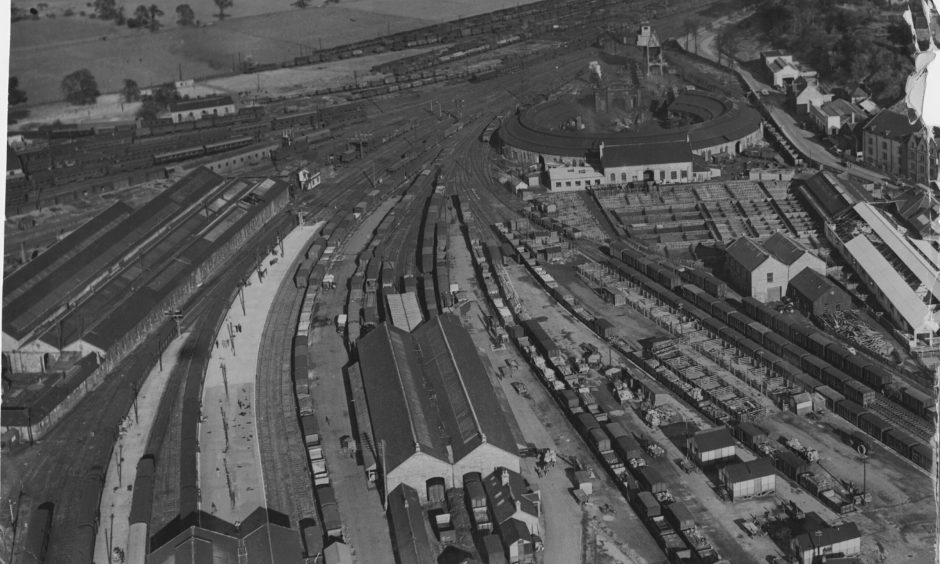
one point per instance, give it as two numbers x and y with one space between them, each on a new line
191 110
569 179
812 545
663 163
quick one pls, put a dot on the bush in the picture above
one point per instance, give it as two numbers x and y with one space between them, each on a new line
68 12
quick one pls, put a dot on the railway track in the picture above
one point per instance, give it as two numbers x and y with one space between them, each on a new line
287 486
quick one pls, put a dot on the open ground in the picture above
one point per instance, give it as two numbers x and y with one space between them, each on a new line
44 51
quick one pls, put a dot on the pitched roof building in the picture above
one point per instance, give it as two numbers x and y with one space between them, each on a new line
191 110
511 497
430 400
814 294
820 541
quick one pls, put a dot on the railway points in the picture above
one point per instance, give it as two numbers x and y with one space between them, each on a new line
459 209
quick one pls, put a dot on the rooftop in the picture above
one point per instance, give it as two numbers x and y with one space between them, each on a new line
744 471
713 439
408 530
891 125
503 497
201 103
784 249
646 154
822 537
429 391
747 253
813 285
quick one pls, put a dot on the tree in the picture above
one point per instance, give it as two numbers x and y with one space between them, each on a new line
141 17
155 12
16 96
106 9
186 15
222 5
130 92
80 88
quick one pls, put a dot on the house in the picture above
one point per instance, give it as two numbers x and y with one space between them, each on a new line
517 541
833 115
801 403
919 208
663 163
782 69
749 479
921 157
810 96
818 541
815 295
752 270
511 497
793 254
710 446
14 168
192 110
884 141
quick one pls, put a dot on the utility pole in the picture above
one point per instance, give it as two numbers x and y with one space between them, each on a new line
176 314
136 418
241 294
384 474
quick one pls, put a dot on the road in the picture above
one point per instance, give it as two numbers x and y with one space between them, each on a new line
799 137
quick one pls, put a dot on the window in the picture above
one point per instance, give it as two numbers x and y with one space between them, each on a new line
558 184
770 277
672 175
613 177
623 176
568 183
685 174
662 175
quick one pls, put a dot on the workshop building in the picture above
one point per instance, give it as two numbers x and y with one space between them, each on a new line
710 446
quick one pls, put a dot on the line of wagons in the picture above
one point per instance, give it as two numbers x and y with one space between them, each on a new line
795 348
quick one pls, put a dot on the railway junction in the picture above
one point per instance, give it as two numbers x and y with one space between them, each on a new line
603 344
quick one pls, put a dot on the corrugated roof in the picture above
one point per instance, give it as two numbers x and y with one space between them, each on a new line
646 154
52 258
453 365
911 307
784 249
33 306
429 390
747 253
813 285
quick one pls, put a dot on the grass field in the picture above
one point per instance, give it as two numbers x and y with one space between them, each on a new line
43 51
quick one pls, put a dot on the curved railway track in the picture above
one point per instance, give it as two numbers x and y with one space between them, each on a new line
287 484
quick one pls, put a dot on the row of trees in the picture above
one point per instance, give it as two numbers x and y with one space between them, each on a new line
147 16
845 43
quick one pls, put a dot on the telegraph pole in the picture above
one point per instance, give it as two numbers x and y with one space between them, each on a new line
176 314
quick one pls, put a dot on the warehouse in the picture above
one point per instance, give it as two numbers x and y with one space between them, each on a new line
814 294
264 537
430 400
817 542
191 110
900 272
749 479
710 446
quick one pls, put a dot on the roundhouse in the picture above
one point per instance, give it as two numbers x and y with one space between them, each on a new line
720 125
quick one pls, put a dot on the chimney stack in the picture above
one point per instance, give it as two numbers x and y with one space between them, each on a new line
504 477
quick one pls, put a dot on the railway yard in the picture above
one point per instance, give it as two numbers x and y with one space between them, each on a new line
359 326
